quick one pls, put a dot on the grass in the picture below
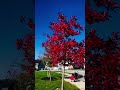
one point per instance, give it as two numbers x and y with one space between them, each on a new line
51 85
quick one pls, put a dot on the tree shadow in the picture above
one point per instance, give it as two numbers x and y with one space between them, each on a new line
47 78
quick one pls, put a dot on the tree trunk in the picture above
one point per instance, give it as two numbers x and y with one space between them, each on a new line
50 74
63 71
47 73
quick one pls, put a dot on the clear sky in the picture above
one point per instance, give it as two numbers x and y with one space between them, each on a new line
46 11
11 29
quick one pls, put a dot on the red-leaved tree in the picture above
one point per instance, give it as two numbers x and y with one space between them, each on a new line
60 46
26 46
102 55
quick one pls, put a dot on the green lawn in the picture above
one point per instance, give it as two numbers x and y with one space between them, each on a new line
51 85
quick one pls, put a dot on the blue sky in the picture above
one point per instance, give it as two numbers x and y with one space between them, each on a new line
10 30
46 11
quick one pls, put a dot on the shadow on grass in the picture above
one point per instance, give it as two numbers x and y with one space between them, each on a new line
47 78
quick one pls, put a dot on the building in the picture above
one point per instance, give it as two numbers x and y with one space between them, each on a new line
39 65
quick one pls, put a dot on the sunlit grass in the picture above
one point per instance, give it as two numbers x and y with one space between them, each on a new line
51 85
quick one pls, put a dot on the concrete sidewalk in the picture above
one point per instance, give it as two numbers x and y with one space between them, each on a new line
80 84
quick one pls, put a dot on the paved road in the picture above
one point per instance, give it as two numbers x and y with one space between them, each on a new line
72 71
81 72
